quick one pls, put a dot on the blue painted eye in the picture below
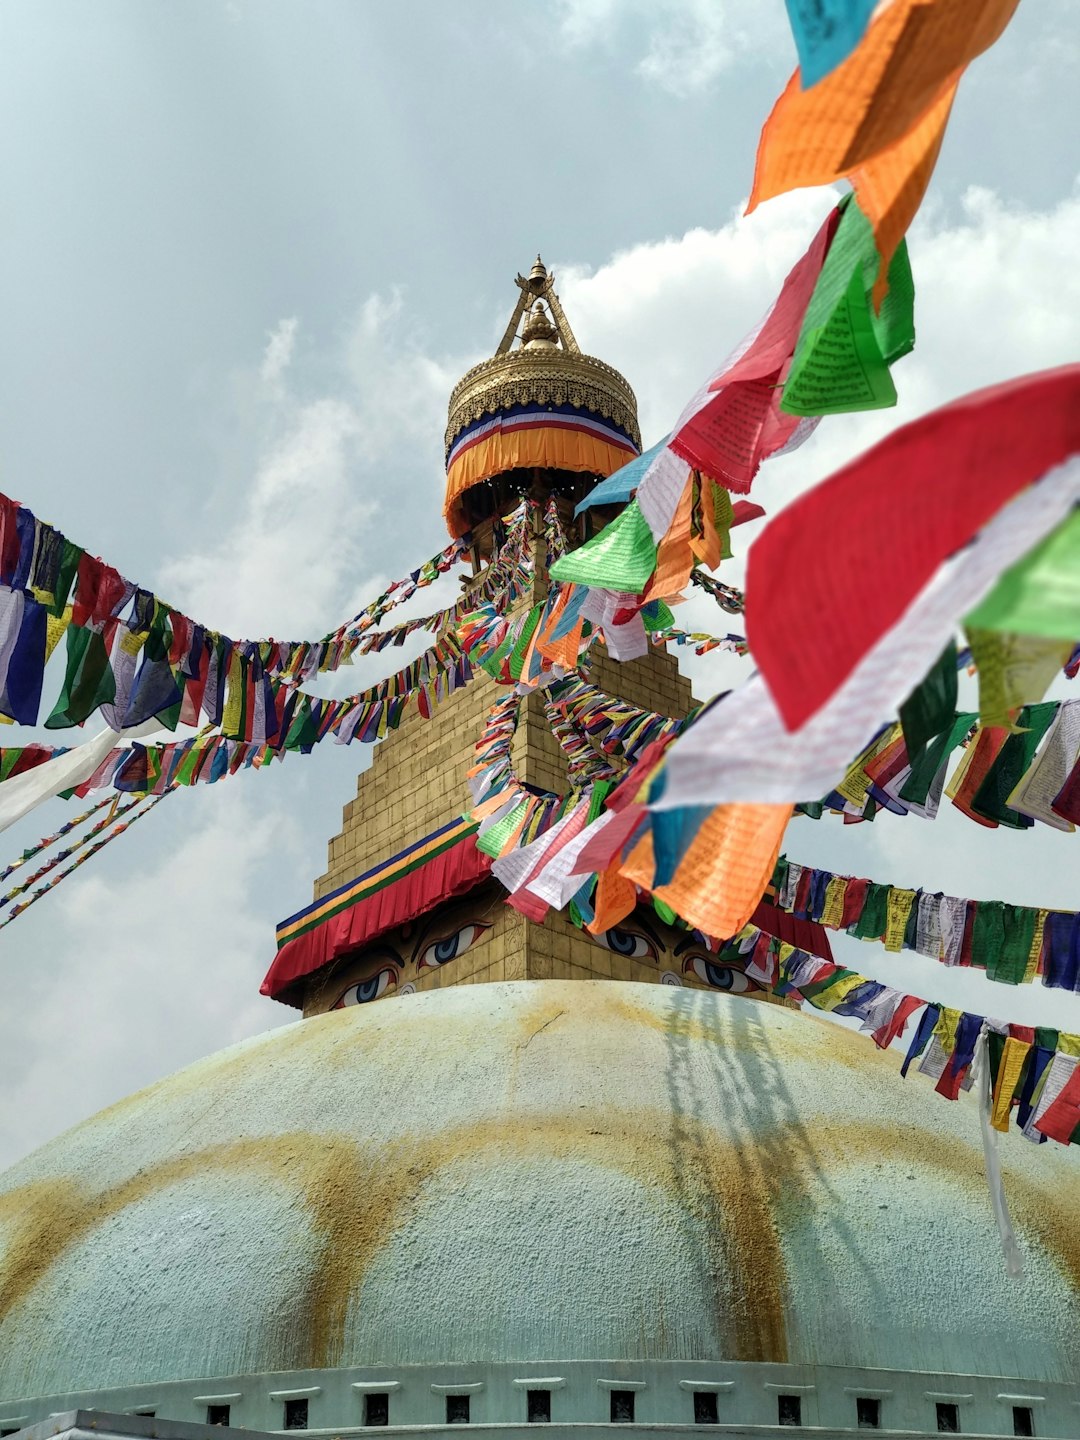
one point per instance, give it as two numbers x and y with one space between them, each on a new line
628 943
365 990
451 946
718 977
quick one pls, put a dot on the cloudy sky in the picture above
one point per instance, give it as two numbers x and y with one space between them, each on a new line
249 245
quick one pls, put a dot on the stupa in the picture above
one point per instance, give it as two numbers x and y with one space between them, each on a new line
512 1191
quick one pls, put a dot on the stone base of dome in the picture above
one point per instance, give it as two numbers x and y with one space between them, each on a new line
740 1397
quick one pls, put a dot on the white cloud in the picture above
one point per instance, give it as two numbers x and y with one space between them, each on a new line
150 963
285 556
682 46
279 350
997 295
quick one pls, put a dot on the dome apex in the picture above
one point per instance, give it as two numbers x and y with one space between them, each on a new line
539 404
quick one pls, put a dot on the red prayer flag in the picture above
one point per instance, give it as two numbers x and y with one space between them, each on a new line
900 511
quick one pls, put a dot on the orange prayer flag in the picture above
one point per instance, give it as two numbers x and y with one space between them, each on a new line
492 803
563 651
674 557
912 52
724 873
614 900
889 189
708 546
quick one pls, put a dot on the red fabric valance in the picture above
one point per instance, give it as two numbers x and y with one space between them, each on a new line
451 872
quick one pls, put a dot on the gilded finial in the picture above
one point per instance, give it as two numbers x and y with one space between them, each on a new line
538 331
538 276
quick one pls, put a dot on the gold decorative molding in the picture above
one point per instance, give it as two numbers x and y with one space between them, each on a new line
547 376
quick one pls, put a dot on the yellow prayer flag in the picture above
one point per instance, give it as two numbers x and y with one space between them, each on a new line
1012 1062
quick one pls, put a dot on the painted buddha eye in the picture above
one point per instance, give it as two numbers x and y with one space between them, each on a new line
369 989
719 977
451 946
628 943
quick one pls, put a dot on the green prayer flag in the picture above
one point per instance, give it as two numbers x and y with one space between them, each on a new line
657 616
1012 761
844 349
1040 594
88 680
521 644
185 774
70 556
987 933
1009 964
930 707
621 557
491 842
875 913
779 875
916 788
665 912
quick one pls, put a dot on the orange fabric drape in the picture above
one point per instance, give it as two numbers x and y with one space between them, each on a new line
551 448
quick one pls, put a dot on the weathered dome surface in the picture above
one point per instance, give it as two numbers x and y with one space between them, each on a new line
531 1171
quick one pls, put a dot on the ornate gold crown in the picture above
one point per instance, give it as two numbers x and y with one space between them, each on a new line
548 368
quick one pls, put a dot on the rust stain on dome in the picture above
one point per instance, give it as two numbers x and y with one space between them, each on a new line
355 1198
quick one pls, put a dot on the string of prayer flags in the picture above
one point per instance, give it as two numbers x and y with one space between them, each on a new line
614 726
140 807
847 644
728 597
555 540
32 851
703 644
304 721
820 349
73 848
504 581
1032 1070
725 431
826 32
264 726
741 423
136 658
402 590
1011 943
878 118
